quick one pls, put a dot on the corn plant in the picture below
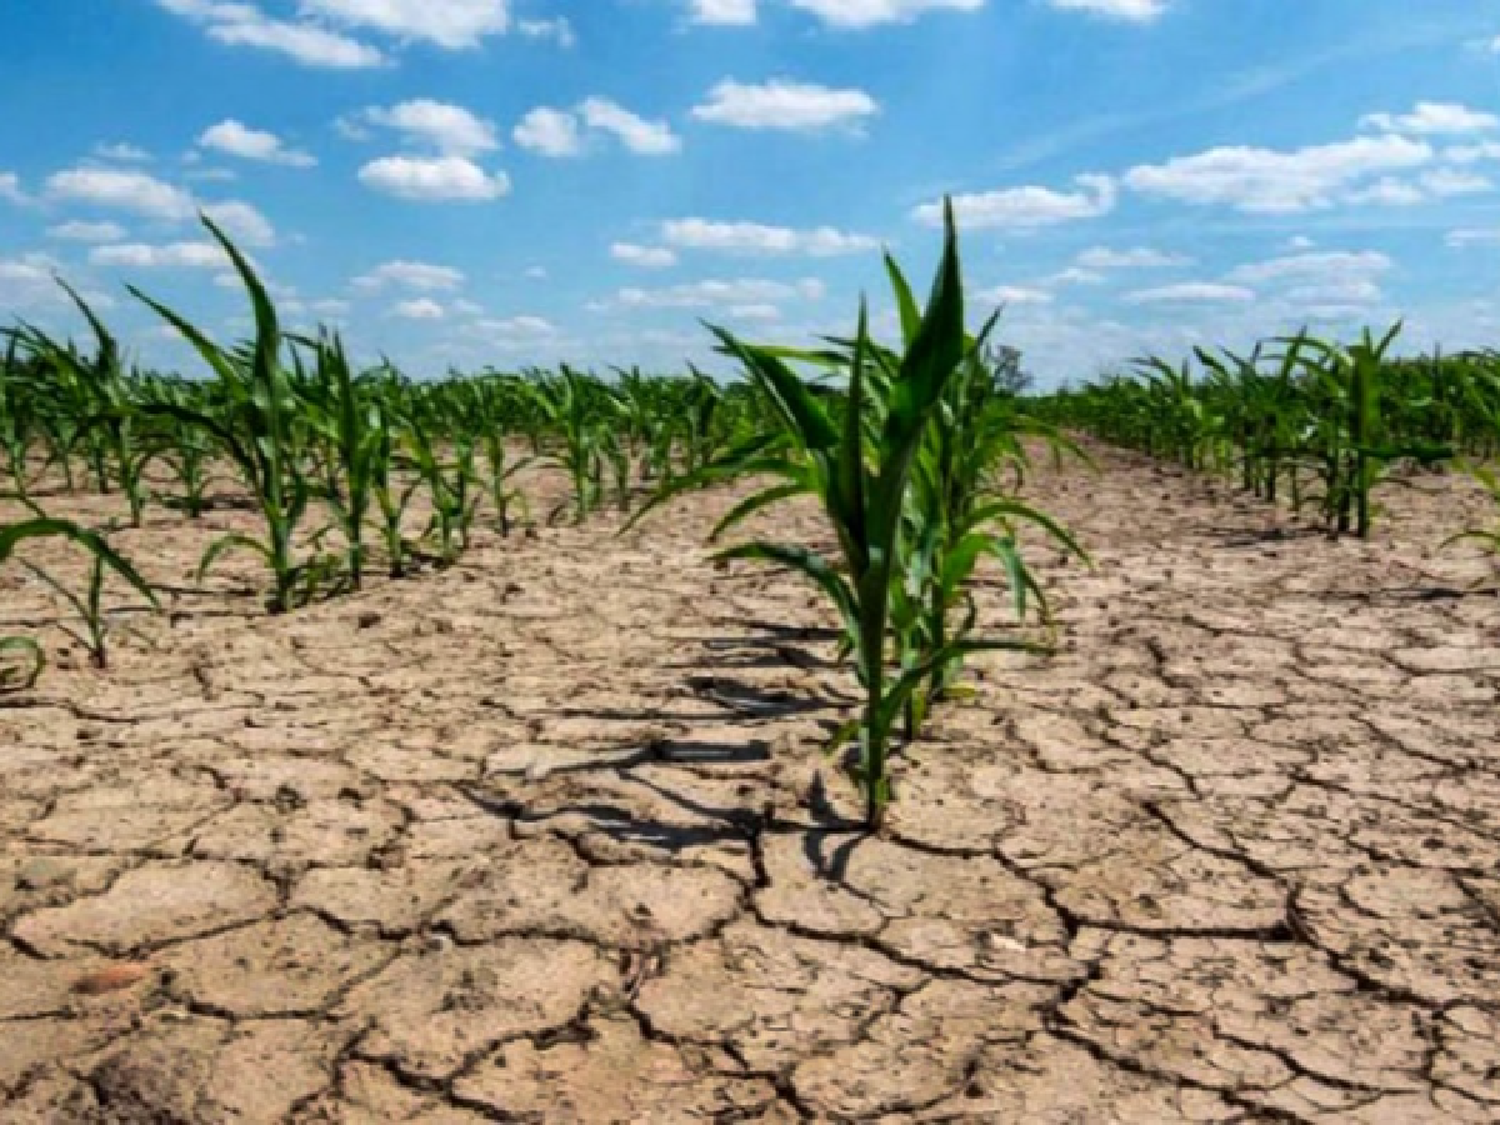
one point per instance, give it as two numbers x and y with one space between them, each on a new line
858 459
254 430
17 416
185 450
349 427
89 605
1355 449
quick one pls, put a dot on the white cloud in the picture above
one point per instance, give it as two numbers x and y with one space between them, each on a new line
1013 295
753 312
1445 182
780 104
10 189
1075 276
125 153
237 139
434 179
28 283
1142 258
560 132
1471 236
242 222
1192 293
1433 119
419 308
1320 267
649 257
868 13
551 132
559 30
450 129
421 276
1266 181
1351 293
79 231
175 255
714 293
723 13
331 307
1471 153
122 189
647 138
28 269
1134 11
451 24
244 25
760 239
1026 208
517 326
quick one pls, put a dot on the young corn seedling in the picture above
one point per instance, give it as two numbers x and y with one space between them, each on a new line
349 426
89 605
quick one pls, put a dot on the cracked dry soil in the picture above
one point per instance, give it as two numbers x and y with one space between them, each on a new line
546 838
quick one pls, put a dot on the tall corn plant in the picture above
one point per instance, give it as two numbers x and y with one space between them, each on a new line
255 431
857 459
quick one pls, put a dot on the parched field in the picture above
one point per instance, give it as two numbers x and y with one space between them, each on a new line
547 838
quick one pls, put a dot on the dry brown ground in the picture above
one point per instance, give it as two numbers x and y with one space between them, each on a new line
546 838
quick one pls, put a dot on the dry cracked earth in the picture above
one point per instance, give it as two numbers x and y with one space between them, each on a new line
547 838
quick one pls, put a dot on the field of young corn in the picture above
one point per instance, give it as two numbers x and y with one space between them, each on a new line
852 741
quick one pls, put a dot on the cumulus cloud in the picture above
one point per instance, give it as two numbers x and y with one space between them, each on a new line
562 132
551 132
639 135
1317 266
1266 181
10 189
1010 295
238 139
1025 208
784 105
1101 258
1133 11
1192 293
1472 236
124 153
434 179
419 308
122 189
1434 119
760 239
175 255
242 222
451 24
451 130
558 30
649 257
723 13
421 276
239 24
716 293
868 13
80 231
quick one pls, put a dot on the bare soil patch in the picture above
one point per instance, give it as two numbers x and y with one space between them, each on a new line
546 838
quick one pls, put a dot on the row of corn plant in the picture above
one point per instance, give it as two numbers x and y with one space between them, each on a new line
1316 423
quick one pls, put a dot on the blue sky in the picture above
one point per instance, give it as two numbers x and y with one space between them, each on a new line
514 182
